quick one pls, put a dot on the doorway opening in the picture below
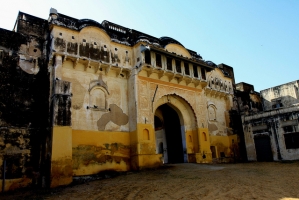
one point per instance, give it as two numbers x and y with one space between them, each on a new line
263 148
170 139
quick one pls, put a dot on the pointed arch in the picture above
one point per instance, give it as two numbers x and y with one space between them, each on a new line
185 111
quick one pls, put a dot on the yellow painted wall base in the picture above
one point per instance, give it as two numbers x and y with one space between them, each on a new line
203 158
12 184
223 144
204 141
147 161
96 151
143 148
61 162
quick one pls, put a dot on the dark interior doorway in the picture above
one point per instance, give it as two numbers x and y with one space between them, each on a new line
172 128
263 148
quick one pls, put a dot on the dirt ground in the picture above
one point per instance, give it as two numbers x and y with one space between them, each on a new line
186 181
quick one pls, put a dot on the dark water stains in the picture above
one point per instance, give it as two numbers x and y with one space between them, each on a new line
21 149
97 155
94 52
61 103
60 44
31 25
61 172
72 48
11 40
24 107
84 50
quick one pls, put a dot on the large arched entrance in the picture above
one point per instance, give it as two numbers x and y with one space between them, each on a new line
175 129
170 137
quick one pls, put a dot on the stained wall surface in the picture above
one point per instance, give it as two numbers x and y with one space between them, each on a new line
24 110
275 130
89 94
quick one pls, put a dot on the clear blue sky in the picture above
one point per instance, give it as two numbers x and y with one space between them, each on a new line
258 38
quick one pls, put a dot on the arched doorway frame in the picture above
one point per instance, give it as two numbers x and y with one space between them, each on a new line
186 116
181 106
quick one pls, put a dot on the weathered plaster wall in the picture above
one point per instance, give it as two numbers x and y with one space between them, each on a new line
192 96
219 102
197 112
100 103
90 43
61 154
100 151
287 94
271 124
23 109
112 116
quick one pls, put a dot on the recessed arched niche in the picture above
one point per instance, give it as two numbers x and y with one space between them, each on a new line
212 112
98 98
204 136
146 135
98 95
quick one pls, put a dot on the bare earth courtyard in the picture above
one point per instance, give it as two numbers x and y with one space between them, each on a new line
271 180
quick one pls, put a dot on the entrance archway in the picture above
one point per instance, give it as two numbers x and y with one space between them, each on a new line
169 135
175 125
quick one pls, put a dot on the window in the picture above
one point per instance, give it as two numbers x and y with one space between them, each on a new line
178 66
203 73
187 70
158 60
195 72
289 129
169 63
147 55
277 104
291 140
